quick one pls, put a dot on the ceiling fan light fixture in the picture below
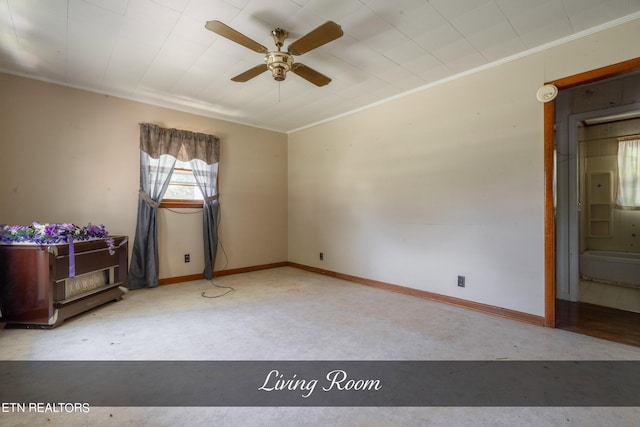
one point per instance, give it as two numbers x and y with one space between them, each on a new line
279 63
279 36
279 73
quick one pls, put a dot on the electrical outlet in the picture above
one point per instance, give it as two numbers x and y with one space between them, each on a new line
461 281
321 256
187 258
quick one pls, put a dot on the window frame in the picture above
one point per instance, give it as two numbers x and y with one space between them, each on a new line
181 203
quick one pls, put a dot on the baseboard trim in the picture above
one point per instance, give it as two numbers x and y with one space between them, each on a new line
249 269
180 279
191 277
472 305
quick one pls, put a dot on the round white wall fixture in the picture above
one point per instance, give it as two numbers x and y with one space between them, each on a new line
547 93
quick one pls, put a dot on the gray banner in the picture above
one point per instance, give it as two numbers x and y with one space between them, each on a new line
322 383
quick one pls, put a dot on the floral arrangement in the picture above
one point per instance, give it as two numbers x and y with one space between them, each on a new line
46 234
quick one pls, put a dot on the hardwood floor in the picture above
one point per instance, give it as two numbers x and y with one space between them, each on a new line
598 321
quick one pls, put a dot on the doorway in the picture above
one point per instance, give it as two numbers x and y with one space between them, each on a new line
603 293
588 120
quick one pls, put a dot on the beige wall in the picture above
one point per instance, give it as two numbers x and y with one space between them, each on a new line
443 182
72 156
440 183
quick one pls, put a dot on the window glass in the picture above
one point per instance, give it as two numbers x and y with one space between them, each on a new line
183 184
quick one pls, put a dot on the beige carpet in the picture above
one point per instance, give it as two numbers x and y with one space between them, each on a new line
291 314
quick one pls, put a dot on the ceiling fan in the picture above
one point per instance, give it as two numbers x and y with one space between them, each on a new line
279 62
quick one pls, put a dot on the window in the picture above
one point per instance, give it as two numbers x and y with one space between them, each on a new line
183 191
629 174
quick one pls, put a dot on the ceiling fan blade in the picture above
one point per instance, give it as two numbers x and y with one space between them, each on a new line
233 35
310 74
325 33
250 73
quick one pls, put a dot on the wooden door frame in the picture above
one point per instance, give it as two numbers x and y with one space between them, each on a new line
549 143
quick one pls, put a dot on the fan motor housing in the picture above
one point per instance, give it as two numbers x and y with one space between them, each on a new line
279 63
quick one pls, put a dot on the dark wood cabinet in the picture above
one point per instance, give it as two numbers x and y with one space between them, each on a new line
36 289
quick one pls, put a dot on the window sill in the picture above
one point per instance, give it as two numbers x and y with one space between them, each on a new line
175 203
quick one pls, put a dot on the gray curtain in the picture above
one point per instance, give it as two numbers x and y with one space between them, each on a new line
159 149
207 178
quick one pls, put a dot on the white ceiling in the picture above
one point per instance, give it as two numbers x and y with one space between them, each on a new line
158 51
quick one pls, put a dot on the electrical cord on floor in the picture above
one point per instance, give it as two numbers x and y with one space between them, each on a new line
226 263
226 258
230 289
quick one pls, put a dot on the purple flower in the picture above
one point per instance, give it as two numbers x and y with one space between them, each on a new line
53 233
111 245
50 230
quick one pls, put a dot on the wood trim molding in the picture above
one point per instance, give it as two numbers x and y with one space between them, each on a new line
181 204
601 73
549 143
191 277
179 279
472 305
549 218
250 268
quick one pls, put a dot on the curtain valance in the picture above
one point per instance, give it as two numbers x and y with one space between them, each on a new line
184 145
